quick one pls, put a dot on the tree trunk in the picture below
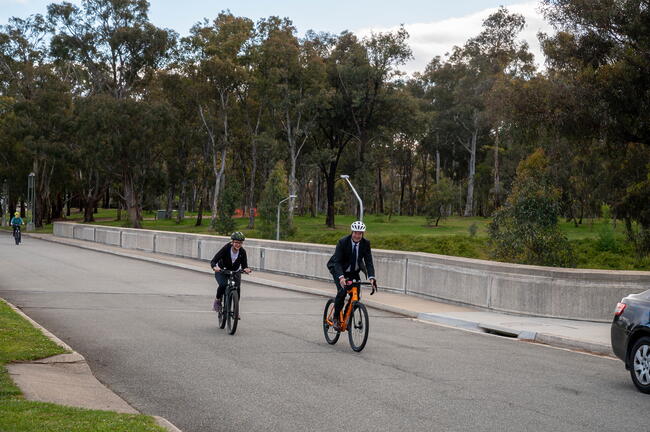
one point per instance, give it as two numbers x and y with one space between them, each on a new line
437 166
132 202
329 220
199 216
469 204
169 209
107 198
497 185
182 202
293 186
217 184
88 210
380 192
402 186
251 190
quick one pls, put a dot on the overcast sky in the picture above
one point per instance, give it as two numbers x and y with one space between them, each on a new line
434 26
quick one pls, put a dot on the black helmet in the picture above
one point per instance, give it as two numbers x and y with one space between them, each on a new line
239 236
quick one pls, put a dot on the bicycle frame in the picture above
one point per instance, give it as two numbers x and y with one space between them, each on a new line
232 285
354 291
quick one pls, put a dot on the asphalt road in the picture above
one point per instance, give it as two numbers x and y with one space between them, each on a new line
148 332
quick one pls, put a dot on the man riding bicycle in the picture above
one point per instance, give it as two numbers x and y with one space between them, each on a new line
352 254
230 257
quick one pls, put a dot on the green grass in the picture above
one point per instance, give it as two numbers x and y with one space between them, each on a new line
20 341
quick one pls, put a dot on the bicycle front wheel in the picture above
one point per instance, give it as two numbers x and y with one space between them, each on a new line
17 236
233 312
358 327
331 335
224 311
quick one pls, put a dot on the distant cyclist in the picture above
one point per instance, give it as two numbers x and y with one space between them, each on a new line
230 257
352 255
16 222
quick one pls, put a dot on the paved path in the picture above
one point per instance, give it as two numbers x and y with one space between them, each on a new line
147 332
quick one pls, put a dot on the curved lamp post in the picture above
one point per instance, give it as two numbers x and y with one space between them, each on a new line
347 178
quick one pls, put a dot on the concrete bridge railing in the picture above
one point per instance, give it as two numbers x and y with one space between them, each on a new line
531 290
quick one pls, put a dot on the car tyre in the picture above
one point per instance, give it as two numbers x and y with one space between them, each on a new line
640 364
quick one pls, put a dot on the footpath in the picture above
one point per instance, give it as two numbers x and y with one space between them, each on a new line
584 336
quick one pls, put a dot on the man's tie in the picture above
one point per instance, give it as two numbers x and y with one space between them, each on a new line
356 257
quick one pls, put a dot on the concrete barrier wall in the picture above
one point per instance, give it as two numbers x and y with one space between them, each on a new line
541 291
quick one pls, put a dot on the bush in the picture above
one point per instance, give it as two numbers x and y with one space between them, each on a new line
472 229
525 230
606 239
225 224
440 198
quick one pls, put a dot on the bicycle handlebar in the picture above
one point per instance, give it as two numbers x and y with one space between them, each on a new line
349 282
231 272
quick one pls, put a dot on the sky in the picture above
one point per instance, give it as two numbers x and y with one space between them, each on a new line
434 26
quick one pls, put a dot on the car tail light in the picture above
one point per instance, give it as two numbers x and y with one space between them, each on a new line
620 307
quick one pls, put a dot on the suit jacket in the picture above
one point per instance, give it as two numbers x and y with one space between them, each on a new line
342 257
223 259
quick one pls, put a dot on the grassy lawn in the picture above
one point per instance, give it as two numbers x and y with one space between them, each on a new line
411 233
20 341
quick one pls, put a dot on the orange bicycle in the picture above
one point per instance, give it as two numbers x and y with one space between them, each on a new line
353 319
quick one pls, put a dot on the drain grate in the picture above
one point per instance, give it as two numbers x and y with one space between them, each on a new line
499 332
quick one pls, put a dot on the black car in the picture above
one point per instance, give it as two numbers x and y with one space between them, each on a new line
631 337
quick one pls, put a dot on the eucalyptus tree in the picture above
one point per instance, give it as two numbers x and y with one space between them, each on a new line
471 71
39 102
115 50
90 149
603 49
182 154
294 76
366 86
218 48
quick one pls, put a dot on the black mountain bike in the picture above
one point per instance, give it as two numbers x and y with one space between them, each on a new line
17 235
229 314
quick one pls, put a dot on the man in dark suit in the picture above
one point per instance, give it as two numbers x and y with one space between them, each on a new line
352 255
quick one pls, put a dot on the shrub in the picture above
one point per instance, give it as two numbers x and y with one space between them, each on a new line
225 224
606 238
440 198
525 230
473 229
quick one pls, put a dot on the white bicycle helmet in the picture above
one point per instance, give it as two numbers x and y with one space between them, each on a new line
358 226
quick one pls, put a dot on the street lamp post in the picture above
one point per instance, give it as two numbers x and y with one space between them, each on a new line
347 178
31 199
277 226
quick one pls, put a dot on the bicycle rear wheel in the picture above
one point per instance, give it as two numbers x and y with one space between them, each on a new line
233 312
358 327
331 335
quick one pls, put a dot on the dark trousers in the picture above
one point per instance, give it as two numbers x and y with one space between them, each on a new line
342 292
222 280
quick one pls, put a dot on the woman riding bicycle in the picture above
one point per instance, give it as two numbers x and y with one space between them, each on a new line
230 257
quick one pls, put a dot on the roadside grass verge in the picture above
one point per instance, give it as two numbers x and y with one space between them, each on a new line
20 341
